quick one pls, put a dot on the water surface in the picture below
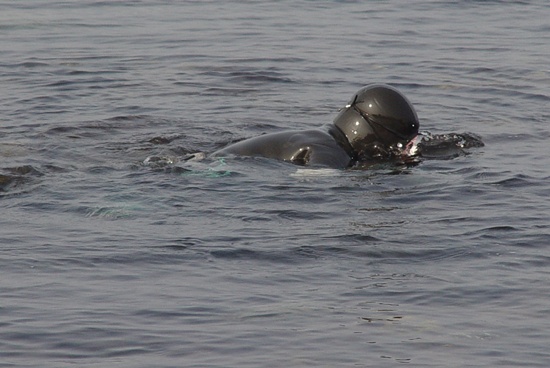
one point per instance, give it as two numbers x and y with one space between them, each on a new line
108 261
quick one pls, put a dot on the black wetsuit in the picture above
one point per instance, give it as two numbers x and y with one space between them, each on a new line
376 124
379 124
327 147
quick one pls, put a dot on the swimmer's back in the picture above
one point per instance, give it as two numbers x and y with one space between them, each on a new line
309 147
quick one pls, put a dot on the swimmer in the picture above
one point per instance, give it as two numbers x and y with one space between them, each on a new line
376 124
379 124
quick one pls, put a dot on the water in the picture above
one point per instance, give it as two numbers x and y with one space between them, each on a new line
107 261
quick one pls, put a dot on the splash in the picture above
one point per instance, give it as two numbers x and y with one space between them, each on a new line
443 146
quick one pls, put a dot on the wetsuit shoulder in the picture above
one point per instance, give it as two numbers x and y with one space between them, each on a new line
309 147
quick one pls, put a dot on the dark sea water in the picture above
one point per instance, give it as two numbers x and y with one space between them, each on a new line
115 252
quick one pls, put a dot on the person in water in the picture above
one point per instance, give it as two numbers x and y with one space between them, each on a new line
379 124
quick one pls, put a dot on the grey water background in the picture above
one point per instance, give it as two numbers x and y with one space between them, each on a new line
107 261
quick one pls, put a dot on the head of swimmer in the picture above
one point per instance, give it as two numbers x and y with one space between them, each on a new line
378 122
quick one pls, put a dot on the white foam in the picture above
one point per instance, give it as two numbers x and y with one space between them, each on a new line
300 173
